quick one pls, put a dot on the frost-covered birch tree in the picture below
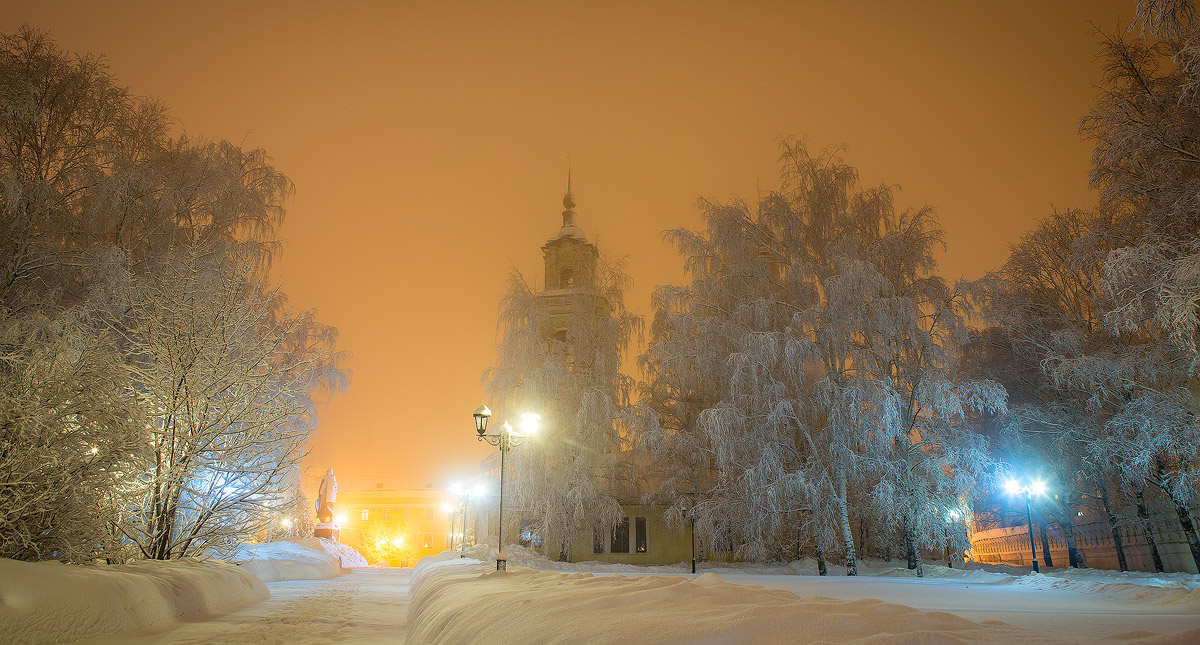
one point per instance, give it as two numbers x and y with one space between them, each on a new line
560 357
841 373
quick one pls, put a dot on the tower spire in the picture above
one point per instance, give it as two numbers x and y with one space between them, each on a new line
568 200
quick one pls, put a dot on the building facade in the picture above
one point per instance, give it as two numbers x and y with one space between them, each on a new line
396 526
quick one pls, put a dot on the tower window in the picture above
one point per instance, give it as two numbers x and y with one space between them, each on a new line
566 278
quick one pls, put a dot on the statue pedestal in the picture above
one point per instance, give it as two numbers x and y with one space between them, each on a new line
326 530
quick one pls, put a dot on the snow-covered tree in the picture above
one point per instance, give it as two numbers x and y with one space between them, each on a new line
122 240
560 357
841 363
1049 307
1146 125
68 430
225 374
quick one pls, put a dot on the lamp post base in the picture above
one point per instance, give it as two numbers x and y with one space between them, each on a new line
501 565
1035 566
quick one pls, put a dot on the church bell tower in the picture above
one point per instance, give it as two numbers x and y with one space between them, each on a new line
570 266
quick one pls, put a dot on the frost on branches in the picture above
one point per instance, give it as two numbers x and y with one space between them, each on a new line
1146 125
560 356
839 397
155 388
225 374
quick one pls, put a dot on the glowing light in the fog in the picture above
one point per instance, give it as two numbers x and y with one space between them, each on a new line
529 423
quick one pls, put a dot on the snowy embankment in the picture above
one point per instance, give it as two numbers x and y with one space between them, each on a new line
300 559
466 600
50 602
1168 588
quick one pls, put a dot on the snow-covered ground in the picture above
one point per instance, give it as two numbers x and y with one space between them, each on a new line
50 602
465 600
364 606
1064 605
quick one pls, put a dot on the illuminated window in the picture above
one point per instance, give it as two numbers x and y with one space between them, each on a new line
387 513
428 539
366 513
639 541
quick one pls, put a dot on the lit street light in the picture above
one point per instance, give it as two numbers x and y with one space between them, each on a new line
505 439
1036 487
457 489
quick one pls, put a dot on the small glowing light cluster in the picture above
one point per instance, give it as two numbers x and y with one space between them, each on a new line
1035 487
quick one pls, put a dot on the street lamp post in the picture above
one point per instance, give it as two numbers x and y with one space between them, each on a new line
1036 487
466 507
506 439
692 519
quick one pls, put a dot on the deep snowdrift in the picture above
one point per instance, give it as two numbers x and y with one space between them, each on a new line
300 559
50 602
468 601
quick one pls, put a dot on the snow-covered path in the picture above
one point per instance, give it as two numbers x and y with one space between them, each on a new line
364 606
1067 614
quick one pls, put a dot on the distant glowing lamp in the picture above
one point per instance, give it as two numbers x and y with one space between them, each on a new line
398 542
447 508
287 521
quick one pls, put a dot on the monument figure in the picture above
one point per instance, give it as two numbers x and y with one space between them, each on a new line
326 496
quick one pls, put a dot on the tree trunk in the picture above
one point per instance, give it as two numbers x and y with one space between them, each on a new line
1144 518
914 553
847 532
1074 555
1045 544
1112 526
821 568
563 550
1189 529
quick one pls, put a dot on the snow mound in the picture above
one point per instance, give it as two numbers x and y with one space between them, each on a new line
466 600
275 561
51 602
350 558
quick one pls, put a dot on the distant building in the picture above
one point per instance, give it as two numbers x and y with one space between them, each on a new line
398 526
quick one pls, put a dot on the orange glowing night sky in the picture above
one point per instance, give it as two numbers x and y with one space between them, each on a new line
428 142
